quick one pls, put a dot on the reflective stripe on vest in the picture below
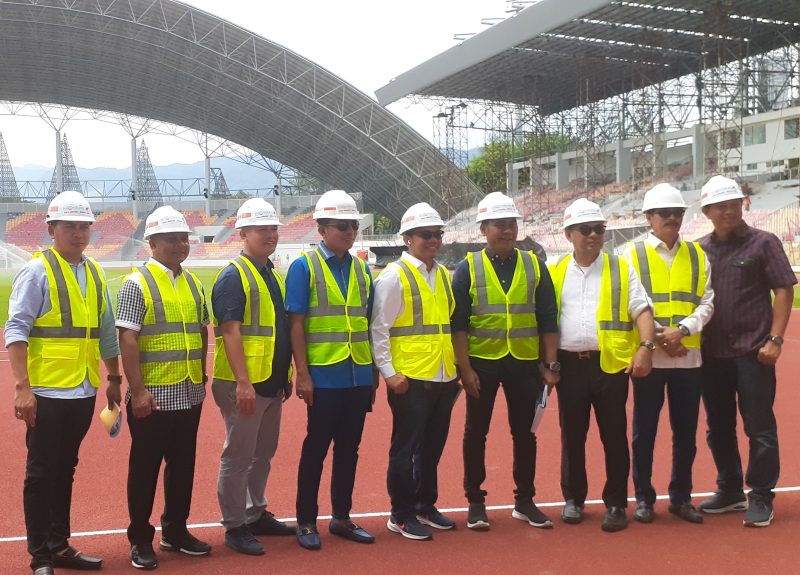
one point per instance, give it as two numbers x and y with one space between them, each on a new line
335 328
64 343
509 326
672 298
170 343
419 340
257 330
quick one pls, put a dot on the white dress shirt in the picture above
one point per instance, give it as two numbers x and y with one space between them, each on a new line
694 322
580 297
388 305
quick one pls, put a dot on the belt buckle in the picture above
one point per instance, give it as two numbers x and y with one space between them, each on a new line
584 355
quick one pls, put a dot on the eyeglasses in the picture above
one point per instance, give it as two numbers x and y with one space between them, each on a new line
427 234
667 212
344 225
599 229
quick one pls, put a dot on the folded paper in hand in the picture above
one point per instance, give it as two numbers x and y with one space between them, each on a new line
541 406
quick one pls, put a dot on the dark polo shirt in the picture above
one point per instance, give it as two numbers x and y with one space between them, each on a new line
744 270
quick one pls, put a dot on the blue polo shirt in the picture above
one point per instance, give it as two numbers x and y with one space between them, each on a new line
345 373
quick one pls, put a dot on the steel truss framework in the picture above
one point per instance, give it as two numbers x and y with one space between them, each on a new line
173 63
8 183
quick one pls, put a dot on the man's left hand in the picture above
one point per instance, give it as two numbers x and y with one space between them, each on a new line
114 394
642 363
769 353
550 378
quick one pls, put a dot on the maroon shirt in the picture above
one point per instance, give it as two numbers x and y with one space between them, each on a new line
744 270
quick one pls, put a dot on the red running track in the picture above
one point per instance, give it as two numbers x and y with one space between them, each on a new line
669 545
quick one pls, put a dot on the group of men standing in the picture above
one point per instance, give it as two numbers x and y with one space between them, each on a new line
583 326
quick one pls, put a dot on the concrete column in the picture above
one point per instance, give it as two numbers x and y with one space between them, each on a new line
623 155
134 180
699 153
512 179
562 171
59 165
208 187
659 156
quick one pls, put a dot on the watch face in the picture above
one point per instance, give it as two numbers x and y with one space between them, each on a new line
776 339
553 366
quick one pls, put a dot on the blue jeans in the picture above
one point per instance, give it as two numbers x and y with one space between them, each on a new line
683 387
753 384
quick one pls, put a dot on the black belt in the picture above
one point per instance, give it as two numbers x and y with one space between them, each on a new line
592 354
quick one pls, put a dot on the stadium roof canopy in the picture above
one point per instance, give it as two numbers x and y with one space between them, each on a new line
171 62
559 54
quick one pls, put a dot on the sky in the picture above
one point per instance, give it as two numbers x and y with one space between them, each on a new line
364 42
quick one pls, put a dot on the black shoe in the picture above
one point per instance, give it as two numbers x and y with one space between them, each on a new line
44 570
268 525
433 518
308 537
721 502
572 513
143 556
242 541
410 529
476 517
644 512
71 558
759 512
529 512
188 544
349 530
614 520
686 511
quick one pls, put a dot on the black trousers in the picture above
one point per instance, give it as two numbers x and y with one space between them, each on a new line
420 424
169 436
521 386
337 416
53 444
725 380
584 385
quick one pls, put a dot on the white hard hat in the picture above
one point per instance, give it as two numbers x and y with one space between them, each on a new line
256 212
719 189
69 206
582 211
164 220
336 205
419 216
497 206
663 196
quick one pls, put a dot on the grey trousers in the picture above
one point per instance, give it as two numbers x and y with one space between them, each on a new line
250 443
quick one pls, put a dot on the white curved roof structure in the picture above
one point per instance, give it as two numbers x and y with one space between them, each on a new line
165 60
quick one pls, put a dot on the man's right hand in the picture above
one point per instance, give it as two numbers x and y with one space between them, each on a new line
25 405
304 388
398 383
245 398
143 404
470 382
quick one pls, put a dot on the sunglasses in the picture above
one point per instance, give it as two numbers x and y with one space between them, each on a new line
599 229
344 225
667 212
427 234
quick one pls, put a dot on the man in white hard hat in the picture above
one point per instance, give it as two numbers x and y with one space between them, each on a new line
60 325
252 357
677 278
414 352
505 308
741 345
329 300
162 320
599 350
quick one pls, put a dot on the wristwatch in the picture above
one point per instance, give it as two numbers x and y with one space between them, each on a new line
684 330
205 378
114 378
648 344
554 366
776 339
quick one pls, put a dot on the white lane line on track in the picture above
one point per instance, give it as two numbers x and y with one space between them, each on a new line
385 514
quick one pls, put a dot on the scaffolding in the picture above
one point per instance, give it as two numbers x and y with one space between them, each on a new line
68 179
8 183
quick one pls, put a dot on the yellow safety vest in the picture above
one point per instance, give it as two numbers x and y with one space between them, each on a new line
170 345
675 292
64 344
503 322
336 329
615 334
419 339
257 328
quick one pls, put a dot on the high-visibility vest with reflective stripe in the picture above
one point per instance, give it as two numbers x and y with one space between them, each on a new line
503 322
336 329
676 292
170 346
257 327
419 339
615 330
64 344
